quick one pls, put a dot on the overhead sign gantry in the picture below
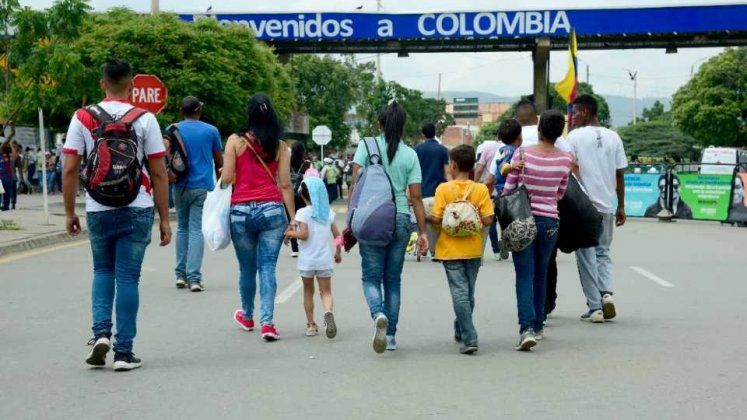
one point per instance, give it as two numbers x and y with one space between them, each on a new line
667 27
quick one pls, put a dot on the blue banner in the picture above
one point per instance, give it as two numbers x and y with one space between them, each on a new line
496 24
642 195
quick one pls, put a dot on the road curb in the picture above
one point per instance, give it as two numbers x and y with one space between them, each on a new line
40 242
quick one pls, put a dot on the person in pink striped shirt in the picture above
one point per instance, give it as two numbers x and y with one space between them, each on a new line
544 170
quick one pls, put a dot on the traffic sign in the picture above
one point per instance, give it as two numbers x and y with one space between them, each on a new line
149 93
321 135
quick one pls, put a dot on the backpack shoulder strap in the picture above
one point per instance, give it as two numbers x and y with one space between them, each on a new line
469 191
132 115
99 114
174 130
372 146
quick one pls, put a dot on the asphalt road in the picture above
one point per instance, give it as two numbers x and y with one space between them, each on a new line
673 352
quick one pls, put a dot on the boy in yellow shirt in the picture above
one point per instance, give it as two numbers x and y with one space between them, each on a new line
462 255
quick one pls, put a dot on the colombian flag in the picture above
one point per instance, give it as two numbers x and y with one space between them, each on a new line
568 87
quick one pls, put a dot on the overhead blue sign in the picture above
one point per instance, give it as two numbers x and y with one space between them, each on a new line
501 24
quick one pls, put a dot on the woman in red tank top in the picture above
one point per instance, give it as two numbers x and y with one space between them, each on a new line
258 164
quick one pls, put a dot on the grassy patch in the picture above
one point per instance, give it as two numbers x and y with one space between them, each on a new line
9 225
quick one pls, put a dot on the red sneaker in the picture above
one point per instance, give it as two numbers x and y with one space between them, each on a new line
269 333
246 324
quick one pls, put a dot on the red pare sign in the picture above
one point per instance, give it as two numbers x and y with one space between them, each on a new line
149 92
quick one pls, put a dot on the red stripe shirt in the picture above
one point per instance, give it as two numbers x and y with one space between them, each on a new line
545 176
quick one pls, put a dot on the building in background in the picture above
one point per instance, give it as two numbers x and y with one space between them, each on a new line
471 111
469 114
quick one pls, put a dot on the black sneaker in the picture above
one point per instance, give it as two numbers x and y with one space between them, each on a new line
101 344
468 349
196 286
126 361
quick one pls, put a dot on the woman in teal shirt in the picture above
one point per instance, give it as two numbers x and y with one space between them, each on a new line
382 265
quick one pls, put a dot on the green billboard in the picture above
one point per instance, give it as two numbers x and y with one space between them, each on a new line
707 195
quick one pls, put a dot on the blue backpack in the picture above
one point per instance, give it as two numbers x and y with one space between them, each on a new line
372 212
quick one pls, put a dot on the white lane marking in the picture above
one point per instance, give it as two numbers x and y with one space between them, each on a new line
289 291
651 276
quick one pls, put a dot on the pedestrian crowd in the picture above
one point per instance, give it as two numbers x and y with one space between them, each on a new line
21 171
445 203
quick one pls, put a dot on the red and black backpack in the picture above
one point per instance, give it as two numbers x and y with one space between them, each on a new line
113 173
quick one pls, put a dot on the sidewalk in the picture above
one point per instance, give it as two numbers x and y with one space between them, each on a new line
27 227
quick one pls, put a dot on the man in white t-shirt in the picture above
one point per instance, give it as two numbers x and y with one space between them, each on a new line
119 236
601 161
526 115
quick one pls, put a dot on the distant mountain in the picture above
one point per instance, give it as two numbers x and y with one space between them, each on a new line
483 97
621 107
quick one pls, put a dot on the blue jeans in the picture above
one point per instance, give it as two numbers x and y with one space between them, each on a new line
257 234
382 268
495 244
462 276
118 241
531 274
189 240
50 182
8 186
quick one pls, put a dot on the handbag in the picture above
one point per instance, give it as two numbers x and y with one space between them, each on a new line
580 222
514 209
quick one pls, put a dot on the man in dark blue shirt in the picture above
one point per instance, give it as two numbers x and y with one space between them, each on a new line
434 165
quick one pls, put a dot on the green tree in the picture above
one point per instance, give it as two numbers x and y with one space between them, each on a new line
712 106
222 65
326 91
420 110
486 132
8 8
48 68
657 138
656 112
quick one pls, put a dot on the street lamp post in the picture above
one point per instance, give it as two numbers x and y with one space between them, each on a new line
634 78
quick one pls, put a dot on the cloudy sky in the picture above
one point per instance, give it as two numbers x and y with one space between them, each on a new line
505 74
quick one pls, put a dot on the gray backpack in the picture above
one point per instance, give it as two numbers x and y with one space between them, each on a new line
372 212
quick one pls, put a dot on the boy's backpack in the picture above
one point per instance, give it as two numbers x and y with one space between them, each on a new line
372 212
461 217
113 174
178 166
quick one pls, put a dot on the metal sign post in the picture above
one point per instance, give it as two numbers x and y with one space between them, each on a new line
43 141
321 135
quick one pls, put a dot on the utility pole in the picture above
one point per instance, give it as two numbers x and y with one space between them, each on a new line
154 7
439 86
587 74
378 55
634 78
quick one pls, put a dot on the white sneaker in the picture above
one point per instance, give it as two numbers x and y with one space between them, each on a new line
294 254
608 306
101 346
379 339
539 335
595 316
526 341
497 256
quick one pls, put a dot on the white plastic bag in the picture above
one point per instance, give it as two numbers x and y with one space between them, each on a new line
216 218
